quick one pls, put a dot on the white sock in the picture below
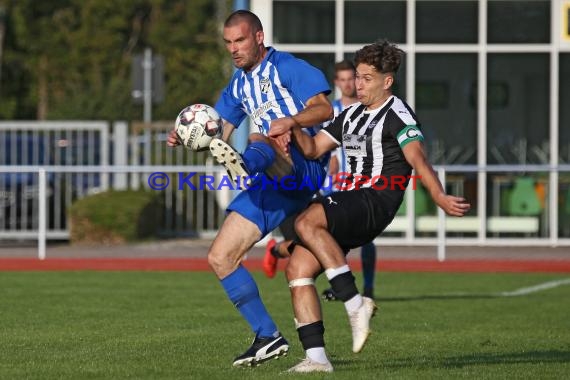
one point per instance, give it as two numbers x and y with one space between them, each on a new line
317 354
333 272
353 304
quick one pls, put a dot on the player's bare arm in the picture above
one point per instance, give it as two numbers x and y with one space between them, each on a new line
416 157
313 147
318 109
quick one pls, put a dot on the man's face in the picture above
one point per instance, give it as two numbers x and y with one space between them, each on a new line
371 85
344 80
243 45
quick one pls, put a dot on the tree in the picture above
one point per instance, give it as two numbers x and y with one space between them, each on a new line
70 59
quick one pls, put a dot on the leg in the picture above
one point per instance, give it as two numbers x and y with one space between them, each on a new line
368 255
279 250
312 228
281 164
301 271
236 236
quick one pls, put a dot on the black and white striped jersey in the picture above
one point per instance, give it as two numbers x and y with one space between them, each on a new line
372 142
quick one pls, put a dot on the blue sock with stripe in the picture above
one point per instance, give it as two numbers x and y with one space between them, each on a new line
258 156
244 294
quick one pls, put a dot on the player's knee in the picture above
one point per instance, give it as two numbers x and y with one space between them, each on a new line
292 270
216 260
299 267
306 223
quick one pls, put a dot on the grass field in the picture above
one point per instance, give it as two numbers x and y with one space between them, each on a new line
153 325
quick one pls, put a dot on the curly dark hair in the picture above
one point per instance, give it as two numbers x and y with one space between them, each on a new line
383 55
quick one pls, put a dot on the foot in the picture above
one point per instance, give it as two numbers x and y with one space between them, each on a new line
231 160
262 349
307 365
360 323
329 295
270 261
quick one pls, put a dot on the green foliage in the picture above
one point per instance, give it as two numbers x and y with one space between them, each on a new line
178 325
81 50
114 217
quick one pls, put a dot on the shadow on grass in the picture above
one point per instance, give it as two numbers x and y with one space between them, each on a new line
437 297
530 357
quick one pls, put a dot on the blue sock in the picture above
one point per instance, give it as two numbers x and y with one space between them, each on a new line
368 254
258 156
242 291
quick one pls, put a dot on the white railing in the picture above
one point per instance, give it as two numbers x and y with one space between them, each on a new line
221 197
479 225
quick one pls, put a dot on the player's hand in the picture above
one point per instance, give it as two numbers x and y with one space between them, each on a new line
453 206
281 126
282 141
172 139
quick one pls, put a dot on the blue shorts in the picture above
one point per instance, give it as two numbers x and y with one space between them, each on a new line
267 206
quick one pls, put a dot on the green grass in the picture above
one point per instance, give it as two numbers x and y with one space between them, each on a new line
151 325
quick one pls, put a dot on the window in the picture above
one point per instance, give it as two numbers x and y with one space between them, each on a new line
564 108
368 21
303 22
443 86
518 21
518 129
460 24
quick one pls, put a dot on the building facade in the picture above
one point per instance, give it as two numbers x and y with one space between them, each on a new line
489 80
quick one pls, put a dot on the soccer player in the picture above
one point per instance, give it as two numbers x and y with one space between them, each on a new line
344 79
274 89
382 142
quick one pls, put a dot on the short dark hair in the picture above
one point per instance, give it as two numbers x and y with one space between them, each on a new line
244 15
344 65
383 55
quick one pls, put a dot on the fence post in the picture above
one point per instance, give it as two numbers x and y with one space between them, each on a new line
42 222
120 153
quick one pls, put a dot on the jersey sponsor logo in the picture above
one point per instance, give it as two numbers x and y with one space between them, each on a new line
260 111
408 134
264 85
354 145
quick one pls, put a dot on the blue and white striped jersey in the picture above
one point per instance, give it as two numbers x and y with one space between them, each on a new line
278 87
337 107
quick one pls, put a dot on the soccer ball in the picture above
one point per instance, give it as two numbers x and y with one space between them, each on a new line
196 125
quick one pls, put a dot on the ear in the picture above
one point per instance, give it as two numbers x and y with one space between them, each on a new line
388 81
259 37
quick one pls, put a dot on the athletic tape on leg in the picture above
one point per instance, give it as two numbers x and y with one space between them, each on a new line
301 282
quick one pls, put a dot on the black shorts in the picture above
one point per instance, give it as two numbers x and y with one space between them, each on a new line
287 227
356 217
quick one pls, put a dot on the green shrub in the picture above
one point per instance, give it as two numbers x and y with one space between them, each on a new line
114 217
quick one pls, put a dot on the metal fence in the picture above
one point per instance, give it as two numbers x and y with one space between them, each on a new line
77 157
46 166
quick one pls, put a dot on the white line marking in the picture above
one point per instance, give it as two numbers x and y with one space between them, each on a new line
536 288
